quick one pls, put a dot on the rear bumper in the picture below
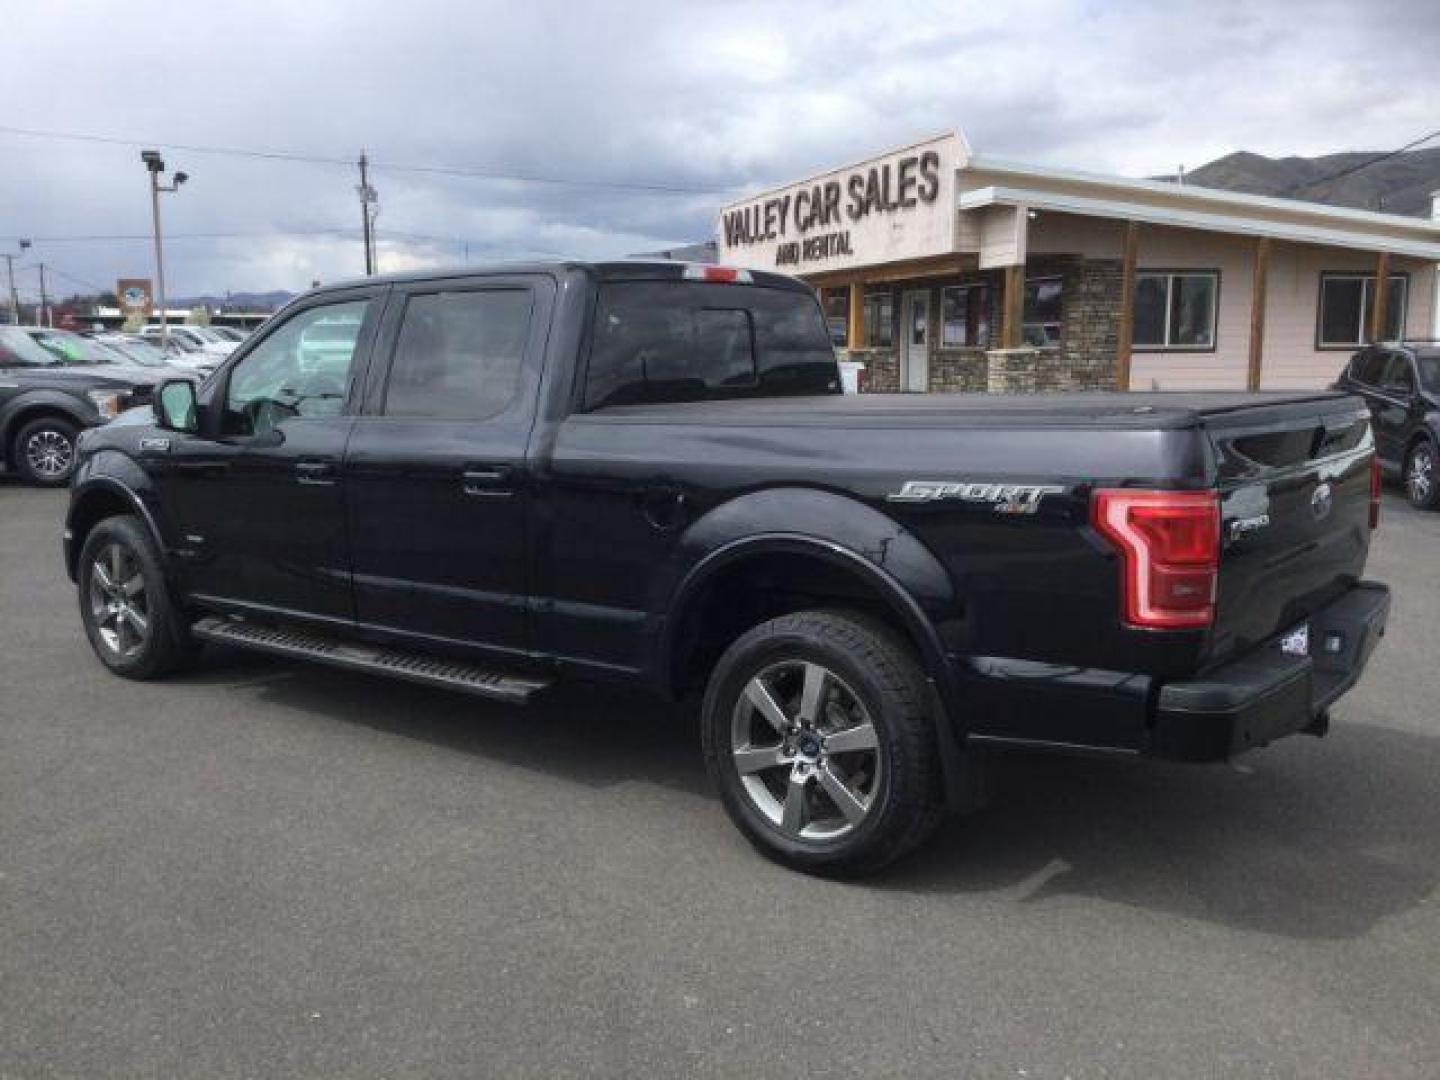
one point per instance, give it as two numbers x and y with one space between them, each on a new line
1267 694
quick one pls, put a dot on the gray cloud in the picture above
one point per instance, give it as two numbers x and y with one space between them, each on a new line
692 95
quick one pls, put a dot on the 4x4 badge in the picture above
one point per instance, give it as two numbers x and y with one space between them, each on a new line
158 445
1002 498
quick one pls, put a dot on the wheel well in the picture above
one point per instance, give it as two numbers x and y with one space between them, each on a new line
25 416
760 587
1415 440
96 505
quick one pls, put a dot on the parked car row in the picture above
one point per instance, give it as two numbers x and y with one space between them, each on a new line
54 384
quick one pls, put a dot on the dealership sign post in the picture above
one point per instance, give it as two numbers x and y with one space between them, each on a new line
134 295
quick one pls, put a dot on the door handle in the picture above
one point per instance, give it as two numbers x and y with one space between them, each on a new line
315 472
492 481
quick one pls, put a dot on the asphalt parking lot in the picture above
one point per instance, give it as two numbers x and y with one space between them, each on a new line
268 869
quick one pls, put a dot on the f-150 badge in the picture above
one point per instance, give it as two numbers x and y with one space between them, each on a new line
1002 498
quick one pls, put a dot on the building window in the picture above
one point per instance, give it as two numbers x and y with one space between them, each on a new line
1175 310
1044 302
837 315
1347 302
965 317
880 319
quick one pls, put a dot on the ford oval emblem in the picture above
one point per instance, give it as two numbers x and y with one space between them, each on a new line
1321 502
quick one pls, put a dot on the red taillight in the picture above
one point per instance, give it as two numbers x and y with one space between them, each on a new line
1374 491
1169 545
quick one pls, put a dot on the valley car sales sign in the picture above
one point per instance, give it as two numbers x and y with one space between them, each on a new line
897 206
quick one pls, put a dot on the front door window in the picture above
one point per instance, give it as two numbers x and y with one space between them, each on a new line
301 370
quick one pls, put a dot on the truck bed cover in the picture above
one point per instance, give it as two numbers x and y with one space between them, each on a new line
1149 411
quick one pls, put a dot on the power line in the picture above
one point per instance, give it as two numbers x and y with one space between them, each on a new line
67 276
99 237
392 166
1351 170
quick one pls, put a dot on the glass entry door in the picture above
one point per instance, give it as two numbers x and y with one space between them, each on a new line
915 345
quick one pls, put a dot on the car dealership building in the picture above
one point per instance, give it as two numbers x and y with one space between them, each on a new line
941 269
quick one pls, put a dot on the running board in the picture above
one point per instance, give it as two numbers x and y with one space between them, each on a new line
372 659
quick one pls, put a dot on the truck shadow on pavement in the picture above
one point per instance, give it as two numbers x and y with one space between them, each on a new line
1314 839
1311 839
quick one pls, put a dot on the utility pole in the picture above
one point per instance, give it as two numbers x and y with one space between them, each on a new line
368 196
10 267
156 165
44 319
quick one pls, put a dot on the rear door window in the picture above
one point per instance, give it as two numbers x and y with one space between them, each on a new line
1397 377
458 355
1369 368
674 341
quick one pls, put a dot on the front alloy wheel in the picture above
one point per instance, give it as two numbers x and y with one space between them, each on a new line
133 625
119 603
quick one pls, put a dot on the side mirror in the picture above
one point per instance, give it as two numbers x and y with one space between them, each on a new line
175 406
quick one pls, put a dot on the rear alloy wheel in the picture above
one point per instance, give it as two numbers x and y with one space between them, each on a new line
44 451
818 733
1422 486
125 603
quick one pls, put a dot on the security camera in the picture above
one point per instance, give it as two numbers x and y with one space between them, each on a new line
180 178
152 160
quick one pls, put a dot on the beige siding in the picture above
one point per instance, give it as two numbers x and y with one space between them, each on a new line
1292 361
1072 234
1226 367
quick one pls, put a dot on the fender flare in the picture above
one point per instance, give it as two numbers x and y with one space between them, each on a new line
892 561
885 585
87 485
958 771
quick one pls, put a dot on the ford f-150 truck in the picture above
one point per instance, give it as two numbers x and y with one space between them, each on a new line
648 473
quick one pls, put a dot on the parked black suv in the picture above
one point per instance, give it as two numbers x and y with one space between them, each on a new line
647 473
53 384
1400 381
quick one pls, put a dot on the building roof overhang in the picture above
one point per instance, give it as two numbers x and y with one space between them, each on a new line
1194 207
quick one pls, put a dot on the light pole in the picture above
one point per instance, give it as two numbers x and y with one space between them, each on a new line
156 165
10 267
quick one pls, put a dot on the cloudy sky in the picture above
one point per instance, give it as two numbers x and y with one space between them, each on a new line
663 110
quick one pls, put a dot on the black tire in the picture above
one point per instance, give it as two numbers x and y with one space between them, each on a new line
43 452
1422 476
900 781
122 548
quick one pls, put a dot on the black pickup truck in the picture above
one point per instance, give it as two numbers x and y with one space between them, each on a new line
647 472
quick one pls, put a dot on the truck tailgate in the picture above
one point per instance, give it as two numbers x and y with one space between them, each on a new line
1294 482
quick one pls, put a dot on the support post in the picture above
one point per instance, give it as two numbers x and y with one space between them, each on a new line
44 319
159 260
1380 296
1012 322
1257 312
1125 328
855 328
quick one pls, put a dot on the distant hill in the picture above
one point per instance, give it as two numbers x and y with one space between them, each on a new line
237 301
1398 185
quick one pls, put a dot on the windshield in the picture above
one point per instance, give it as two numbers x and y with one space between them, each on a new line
1429 372
141 352
18 347
74 349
